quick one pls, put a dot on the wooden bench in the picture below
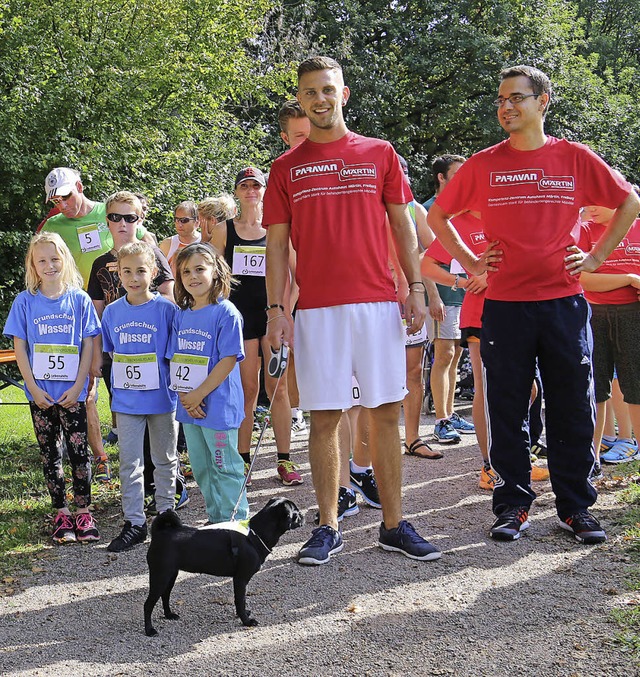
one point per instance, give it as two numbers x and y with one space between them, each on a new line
8 357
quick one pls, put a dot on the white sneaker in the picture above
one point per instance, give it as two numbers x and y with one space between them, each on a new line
299 427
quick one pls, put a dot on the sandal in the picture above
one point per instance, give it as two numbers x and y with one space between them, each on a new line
412 450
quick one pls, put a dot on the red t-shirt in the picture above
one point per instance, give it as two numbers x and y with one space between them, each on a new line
625 258
529 201
470 230
333 196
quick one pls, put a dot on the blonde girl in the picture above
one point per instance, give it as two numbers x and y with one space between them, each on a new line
53 323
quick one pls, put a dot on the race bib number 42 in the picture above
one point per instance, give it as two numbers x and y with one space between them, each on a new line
249 261
135 372
55 362
188 371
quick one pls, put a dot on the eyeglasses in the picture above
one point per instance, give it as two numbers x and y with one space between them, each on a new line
514 99
129 218
183 219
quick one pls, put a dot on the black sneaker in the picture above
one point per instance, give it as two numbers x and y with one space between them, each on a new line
596 473
539 450
405 539
365 484
150 506
511 523
129 536
585 528
347 505
324 542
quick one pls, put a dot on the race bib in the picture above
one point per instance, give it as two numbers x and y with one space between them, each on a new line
135 372
249 261
188 371
89 238
455 268
55 362
414 339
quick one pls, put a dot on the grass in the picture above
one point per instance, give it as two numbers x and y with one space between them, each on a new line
25 505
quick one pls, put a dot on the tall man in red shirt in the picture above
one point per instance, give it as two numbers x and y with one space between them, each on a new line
528 191
331 195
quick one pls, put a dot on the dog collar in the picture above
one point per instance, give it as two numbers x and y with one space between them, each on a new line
264 545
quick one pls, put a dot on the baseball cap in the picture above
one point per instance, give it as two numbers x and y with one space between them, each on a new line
250 173
60 181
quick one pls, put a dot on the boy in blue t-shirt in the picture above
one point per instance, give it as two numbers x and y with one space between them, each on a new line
136 331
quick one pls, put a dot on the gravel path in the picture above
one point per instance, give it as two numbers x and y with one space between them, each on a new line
539 606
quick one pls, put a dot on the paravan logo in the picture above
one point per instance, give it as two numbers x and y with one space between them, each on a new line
500 179
365 170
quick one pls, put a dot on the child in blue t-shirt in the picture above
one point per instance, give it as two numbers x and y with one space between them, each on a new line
53 324
206 346
136 330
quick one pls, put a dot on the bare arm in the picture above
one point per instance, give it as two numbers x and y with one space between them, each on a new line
219 237
586 262
279 326
406 246
608 281
165 245
166 290
70 396
425 234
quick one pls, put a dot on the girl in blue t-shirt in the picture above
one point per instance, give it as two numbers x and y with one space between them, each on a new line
206 346
53 324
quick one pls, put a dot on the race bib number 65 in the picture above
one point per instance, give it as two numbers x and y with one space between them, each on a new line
188 371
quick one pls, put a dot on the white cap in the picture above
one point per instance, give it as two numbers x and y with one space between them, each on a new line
60 181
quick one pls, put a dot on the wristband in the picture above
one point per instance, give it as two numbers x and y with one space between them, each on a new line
419 282
274 305
275 317
454 286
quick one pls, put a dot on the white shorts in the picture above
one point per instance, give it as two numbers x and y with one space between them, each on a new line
449 329
334 344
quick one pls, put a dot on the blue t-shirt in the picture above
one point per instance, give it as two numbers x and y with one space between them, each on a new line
214 331
45 323
143 331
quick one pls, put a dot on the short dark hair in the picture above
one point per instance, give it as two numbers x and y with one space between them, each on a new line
441 165
540 82
318 63
290 110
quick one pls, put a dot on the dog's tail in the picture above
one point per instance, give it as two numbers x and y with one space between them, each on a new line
165 521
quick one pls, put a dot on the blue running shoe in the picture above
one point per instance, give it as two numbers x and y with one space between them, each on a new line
445 433
405 539
324 542
462 425
111 438
622 451
182 498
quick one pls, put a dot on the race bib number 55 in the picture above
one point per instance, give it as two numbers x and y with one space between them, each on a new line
55 362
188 371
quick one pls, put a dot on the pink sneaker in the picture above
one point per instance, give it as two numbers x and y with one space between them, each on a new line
86 527
63 529
288 473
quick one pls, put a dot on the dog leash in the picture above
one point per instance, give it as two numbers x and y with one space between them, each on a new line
277 365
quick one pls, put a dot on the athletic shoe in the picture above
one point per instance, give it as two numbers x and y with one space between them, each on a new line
539 474
246 472
538 450
182 498
129 536
622 451
462 425
445 433
324 542
111 438
102 473
288 473
605 445
185 469
510 524
347 505
299 427
596 473
365 484
86 527
487 479
585 528
63 528
150 506
405 539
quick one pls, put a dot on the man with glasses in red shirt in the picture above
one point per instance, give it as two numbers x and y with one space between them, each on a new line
528 191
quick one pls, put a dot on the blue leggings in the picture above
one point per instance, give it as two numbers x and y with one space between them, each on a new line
556 333
218 469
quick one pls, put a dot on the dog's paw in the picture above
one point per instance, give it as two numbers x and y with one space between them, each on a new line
150 632
172 617
249 622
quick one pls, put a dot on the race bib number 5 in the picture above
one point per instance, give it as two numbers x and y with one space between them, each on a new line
89 238
249 261
135 372
188 371
55 362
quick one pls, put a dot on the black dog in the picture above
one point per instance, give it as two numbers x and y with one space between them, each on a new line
215 551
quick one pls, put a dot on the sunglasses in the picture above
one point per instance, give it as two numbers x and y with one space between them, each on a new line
183 219
129 218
